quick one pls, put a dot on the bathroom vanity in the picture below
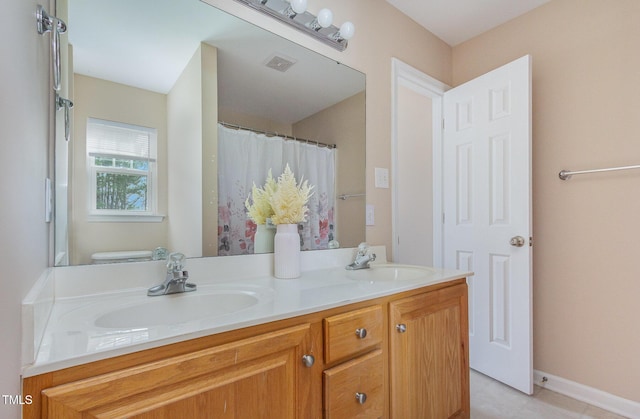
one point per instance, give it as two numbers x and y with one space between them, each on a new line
390 342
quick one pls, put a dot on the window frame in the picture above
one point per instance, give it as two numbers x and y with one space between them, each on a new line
113 215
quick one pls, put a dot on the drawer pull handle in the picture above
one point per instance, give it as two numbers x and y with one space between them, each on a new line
401 328
361 397
361 333
308 360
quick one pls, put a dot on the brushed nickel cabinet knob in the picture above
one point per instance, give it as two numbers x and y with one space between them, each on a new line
308 360
361 333
361 397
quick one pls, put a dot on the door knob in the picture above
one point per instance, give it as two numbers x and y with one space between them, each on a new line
517 241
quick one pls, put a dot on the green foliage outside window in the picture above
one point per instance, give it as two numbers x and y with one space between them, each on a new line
116 191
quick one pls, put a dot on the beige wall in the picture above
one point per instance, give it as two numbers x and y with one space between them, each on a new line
209 150
192 109
414 177
184 124
252 121
343 124
131 106
586 107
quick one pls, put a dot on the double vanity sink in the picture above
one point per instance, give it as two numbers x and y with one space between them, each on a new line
215 301
212 302
98 324
343 343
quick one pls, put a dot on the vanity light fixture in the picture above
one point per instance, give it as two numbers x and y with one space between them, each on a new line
324 20
346 31
294 13
295 7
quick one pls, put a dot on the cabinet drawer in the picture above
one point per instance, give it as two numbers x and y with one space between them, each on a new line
349 333
355 389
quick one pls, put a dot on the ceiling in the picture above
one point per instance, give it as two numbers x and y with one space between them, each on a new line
154 40
455 21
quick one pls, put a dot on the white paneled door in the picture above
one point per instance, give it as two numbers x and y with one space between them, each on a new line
487 216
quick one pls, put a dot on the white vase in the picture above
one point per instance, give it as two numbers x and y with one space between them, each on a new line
286 256
263 239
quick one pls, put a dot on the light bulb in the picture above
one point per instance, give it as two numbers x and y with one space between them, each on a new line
299 6
325 18
347 30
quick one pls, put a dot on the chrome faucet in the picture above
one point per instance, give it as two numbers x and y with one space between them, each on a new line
362 259
176 280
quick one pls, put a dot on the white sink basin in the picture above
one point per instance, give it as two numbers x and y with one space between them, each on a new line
390 272
178 308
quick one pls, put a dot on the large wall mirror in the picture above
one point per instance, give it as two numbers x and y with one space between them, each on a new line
151 82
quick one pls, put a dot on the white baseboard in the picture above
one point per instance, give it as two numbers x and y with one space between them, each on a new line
595 397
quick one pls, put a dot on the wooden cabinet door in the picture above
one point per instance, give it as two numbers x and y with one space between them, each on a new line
258 377
429 357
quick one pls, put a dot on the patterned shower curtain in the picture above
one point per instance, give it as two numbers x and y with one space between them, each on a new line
245 157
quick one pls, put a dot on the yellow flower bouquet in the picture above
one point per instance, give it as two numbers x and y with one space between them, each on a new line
289 200
284 201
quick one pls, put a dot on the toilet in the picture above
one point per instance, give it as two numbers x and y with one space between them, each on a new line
121 256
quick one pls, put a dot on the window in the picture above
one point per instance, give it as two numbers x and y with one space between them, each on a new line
121 160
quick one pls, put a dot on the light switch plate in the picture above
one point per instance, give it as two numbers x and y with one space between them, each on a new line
382 177
370 215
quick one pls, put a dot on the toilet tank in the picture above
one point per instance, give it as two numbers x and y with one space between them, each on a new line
121 256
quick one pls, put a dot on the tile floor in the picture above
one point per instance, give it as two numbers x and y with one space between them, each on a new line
491 399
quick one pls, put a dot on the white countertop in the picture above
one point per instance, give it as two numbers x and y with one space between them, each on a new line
72 337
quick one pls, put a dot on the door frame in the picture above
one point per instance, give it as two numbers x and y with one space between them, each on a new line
404 75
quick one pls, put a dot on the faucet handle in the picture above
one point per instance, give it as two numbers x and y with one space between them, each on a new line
362 248
175 262
159 253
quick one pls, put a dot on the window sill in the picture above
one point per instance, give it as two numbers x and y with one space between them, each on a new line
125 218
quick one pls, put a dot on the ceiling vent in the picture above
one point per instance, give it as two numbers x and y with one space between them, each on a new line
280 62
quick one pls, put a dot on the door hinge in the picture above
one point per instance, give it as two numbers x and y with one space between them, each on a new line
443 124
531 241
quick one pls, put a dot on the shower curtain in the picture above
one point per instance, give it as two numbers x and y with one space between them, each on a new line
244 158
